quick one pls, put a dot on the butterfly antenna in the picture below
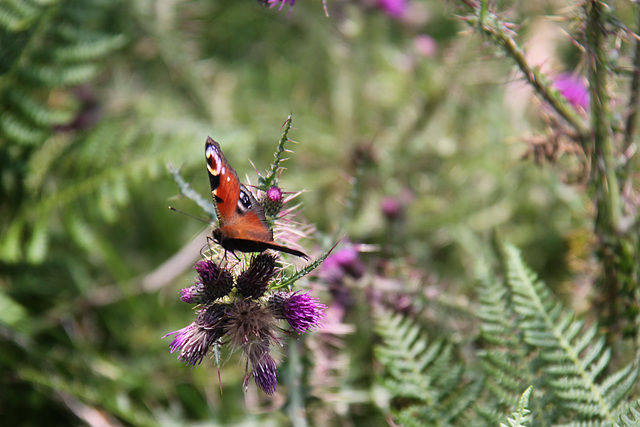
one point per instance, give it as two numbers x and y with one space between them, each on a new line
189 215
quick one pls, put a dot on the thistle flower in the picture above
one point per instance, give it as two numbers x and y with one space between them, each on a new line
195 340
346 261
574 89
393 8
425 45
302 311
272 201
253 282
251 327
234 300
213 283
265 373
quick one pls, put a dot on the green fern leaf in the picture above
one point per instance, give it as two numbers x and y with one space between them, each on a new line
522 416
422 374
572 363
90 50
506 361
43 48
631 416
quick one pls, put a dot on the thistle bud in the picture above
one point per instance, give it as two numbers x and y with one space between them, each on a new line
272 202
253 282
213 283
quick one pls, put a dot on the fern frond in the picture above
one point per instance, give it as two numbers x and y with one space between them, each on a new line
46 46
630 416
573 362
102 192
505 362
522 416
424 374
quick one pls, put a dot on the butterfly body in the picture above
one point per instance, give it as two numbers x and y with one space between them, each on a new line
242 225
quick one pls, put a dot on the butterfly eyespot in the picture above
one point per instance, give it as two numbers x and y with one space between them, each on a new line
242 223
244 201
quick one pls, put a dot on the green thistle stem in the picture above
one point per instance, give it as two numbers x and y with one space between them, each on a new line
295 408
603 165
271 179
490 25
634 96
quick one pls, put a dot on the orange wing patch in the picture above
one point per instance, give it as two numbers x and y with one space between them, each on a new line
241 219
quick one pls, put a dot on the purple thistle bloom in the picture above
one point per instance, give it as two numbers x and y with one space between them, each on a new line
190 295
346 261
393 8
391 207
265 374
274 194
193 343
195 340
213 283
425 45
302 311
181 337
253 282
574 89
272 202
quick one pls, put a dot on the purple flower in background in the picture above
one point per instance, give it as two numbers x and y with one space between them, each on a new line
392 208
272 3
574 89
393 8
425 45
346 261
302 311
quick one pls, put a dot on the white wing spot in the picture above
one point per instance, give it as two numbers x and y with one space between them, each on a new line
211 152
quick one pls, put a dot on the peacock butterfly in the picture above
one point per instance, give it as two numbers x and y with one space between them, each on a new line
242 225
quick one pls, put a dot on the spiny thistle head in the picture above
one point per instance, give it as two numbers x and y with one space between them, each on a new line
265 372
236 307
302 311
253 282
213 283
195 340
272 201
249 324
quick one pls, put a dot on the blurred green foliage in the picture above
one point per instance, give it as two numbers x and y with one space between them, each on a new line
96 97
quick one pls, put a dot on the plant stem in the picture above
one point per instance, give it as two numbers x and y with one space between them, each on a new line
607 198
603 165
296 408
492 26
634 96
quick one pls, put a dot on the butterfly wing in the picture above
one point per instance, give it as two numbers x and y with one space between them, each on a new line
242 223
240 216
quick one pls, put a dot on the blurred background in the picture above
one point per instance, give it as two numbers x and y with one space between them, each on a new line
415 139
